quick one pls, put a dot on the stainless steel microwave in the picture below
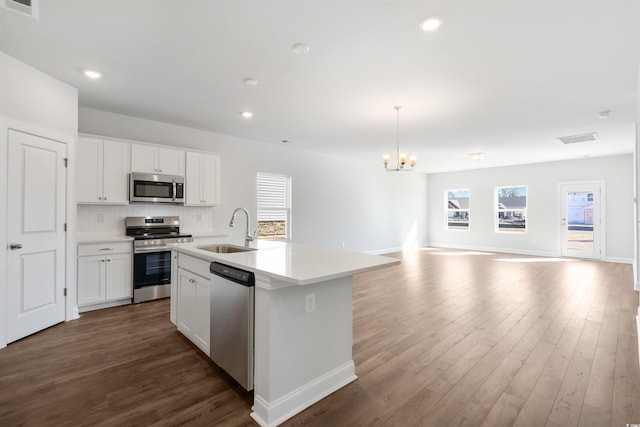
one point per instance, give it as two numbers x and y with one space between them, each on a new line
152 188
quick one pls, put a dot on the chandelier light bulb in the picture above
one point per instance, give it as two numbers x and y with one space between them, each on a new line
401 157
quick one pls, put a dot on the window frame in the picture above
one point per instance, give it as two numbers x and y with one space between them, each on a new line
286 210
498 210
448 210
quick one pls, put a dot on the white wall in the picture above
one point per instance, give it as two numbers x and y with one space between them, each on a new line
30 96
636 211
334 199
543 235
34 102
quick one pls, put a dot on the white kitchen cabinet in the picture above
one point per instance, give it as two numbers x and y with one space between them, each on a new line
151 159
104 274
193 305
102 171
202 179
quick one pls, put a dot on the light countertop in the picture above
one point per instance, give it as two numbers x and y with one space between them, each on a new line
293 263
94 238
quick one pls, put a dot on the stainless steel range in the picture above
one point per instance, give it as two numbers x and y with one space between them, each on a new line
151 255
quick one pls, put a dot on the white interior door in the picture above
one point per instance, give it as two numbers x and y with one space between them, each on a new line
36 255
581 220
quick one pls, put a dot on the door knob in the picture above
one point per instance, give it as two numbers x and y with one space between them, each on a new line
14 246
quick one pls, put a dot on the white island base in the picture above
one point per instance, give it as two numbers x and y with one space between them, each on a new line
303 321
300 357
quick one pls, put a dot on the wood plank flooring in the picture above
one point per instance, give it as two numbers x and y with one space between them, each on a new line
447 338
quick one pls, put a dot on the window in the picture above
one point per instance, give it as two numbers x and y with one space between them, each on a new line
457 206
274 206
511 209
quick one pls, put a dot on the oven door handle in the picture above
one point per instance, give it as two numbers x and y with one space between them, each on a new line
150 249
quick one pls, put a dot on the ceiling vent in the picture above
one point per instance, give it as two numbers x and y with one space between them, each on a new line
572 139
27 7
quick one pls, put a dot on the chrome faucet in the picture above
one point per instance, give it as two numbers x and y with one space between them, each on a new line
248 237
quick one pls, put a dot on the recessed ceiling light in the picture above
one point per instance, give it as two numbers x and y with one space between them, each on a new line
286 141
300 48
250 82
604 114
247 114
476 157
92 74
431 23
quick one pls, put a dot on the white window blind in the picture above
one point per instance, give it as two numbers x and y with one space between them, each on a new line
272 193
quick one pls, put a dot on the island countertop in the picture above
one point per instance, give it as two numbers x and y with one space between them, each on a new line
292 262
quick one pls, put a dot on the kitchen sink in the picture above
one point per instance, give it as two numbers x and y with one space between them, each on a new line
226 249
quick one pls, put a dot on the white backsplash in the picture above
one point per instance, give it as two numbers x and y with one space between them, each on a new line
109 220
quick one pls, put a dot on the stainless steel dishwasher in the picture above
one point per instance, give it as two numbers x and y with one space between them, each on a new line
232 302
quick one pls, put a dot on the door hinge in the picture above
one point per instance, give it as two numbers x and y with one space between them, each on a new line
65 292
66 162
65 226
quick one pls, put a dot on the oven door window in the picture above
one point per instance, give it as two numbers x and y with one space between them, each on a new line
152 268
160 190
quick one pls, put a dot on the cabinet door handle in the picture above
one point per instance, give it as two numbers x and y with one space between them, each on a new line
105 249
104 198
102 260
14 246
99 198
109 260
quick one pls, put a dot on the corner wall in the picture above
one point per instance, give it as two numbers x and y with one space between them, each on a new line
30 96
543 221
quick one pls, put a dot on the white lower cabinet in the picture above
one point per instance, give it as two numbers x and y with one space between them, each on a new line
193 305
104 274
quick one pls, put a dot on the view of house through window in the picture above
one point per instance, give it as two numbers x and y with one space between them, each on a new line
580 220
274 206
457 209
511 209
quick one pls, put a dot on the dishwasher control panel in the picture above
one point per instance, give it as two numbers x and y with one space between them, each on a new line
242 277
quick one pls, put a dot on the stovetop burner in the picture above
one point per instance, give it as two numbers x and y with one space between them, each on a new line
155 231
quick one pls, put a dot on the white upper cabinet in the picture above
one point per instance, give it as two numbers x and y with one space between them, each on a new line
102 171
150 159
202 180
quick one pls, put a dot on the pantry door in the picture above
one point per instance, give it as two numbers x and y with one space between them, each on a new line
36 255
581 220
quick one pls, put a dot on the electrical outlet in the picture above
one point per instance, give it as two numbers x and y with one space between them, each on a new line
309 303
199 217
100 217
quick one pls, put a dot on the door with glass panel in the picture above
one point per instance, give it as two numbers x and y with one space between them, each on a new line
581 220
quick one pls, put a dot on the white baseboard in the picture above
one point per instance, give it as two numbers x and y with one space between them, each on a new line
519 251
493 249
104 305
270 414
618 259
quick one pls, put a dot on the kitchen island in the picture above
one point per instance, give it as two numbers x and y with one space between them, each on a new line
303 320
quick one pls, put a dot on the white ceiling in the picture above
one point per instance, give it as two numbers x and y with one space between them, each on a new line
501 77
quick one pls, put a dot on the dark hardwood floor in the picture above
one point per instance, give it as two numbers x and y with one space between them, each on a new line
448 338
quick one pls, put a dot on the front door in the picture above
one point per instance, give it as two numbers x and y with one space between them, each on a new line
581 220
35 233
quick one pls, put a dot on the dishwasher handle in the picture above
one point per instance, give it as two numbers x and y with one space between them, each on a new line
241 277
